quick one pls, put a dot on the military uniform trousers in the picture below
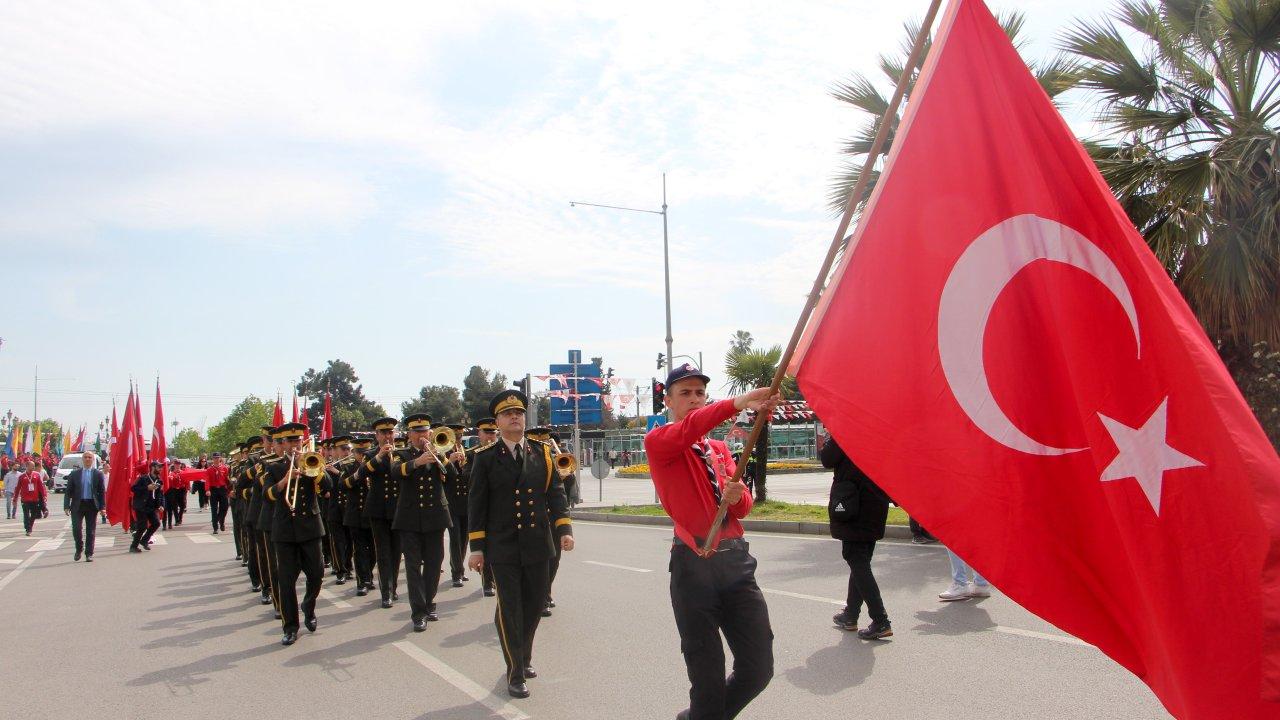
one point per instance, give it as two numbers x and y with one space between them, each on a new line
714 595
553 567
522 593
249 544
268 567
423 557
237 529
458 545
293 558
361 554
339 542
386 548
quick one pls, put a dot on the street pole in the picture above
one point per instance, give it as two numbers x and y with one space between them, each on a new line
533 405
666 269
576 452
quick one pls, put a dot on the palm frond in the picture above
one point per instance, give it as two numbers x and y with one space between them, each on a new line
859 92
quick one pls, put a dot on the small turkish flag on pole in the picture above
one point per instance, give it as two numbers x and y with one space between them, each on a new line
1039 394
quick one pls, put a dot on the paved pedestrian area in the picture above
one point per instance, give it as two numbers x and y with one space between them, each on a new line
176 632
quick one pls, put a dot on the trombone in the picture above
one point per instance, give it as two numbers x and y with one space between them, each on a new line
441 443
309 463
566 463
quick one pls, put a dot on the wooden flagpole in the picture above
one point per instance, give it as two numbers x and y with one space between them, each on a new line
709 544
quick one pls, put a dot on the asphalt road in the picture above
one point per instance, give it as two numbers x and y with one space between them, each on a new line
176 633
811 488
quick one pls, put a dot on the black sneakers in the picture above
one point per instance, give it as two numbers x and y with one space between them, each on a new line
876 631
845 620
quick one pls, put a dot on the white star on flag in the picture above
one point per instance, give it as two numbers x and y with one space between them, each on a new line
1145 455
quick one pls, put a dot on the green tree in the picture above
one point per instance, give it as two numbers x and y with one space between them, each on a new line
189 444
351 409
442 402
245 419
861 92
1191 110
741 341
747 370
478 388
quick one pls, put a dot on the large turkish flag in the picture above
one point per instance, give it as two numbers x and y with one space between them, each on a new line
1001 351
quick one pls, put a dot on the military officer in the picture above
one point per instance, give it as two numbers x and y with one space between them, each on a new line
486 435
545 435
457 474
233 477
248 521
296 530
339 535
380 507
517 513
422 514
260 512
353 517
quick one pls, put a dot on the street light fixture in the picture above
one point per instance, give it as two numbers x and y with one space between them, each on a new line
666 260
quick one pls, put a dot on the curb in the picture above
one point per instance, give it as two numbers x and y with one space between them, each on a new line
781 471
790 527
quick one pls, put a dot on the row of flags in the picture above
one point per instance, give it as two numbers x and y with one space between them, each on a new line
28 439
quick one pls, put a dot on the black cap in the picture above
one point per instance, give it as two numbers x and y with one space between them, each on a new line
682 372
507 400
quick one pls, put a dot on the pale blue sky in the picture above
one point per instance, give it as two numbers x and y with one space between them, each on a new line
227 194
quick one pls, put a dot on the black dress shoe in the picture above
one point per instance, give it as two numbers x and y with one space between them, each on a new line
529 672
289 638
488 592
88 558
255 588
551 602
310 623
278 615
215 532
134 548
518 690
386 603
265 599
362 591
77 557
432 616
682 715
420 625
465 578
395 595
457 583
341 581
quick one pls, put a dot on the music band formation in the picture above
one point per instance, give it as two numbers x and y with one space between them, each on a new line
363 502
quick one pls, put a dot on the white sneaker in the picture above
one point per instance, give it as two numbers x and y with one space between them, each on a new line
956 592
979 591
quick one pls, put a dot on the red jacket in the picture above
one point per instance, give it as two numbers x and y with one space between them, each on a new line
680 475
31 487
217 476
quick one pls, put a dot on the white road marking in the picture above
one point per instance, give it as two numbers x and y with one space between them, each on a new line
203 539
158 539
5 543
620 567
801 596
6 561
100 542
333 598
45 545
18 570
462 682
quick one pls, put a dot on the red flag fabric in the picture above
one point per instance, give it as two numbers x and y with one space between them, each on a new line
326 422
1036 392
139 444
123 458
295 408
277 417
115 426
302 418
78 444
159 448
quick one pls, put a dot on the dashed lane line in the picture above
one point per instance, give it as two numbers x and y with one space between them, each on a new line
495 704
619 567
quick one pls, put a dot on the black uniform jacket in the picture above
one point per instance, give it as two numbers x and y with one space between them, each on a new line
144 500
456 481
353 514
516 513
380 499
421 506
302 522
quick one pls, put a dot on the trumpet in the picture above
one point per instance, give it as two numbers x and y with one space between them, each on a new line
566 463
309 463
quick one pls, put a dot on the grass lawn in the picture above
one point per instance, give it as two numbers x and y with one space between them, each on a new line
769 510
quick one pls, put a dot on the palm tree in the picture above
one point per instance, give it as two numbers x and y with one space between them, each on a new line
1191 110
861 92
746 370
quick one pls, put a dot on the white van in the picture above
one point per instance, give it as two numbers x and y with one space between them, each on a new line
65 466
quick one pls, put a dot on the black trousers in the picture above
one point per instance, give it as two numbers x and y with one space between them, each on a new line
863 587
339 541
198 487
292 558
386 547
458 546
249 545
423 556
362 554
218 508
522 593
170 508
87 514
30 511
267 567
718 595
146 524
553 567
237 531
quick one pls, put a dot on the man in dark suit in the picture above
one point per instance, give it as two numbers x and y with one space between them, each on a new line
83 499
517 512
422 514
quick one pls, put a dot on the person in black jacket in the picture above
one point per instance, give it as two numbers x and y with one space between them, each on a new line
297 528
145 504
858 510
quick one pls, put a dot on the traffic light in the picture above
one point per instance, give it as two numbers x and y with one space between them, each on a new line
662 358
522 386
658 391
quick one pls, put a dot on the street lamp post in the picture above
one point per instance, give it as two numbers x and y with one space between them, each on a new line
666 256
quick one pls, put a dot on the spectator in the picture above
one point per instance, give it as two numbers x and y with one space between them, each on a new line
858 509
199 487
613 458
919 535
32 494
82 499
962 588
10 491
